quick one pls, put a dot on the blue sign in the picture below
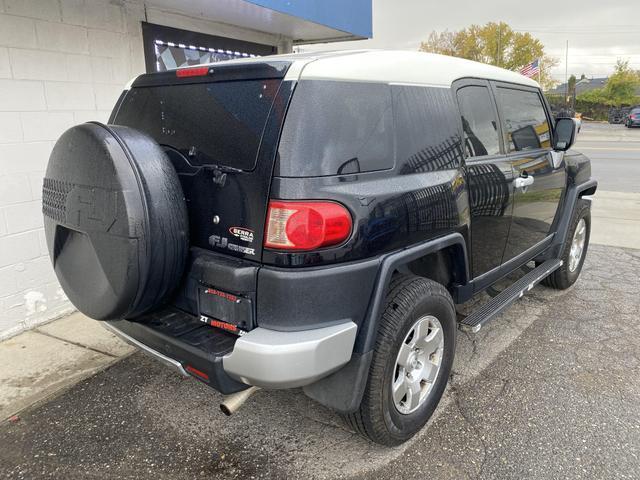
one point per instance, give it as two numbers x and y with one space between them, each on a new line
352 16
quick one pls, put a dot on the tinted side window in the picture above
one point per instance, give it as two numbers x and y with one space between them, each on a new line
526 123
427 130
479 122
337 128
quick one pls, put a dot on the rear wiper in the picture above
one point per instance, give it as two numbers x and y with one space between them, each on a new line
222 168
220 173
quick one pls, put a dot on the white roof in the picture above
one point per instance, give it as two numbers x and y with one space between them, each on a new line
403 67
388 66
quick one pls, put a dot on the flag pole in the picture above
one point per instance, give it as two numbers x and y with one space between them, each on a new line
539 68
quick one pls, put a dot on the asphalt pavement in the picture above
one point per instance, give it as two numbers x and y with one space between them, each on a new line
547 390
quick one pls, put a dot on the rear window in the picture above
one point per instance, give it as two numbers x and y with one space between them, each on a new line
220 123
336 128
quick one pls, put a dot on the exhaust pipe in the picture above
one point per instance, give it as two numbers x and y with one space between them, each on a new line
231 403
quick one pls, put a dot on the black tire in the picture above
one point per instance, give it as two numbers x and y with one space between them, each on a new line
115 221
564 277
409 298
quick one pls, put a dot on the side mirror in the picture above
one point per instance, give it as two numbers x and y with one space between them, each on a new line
564 134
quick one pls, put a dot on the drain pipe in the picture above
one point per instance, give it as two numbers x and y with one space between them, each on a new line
231 403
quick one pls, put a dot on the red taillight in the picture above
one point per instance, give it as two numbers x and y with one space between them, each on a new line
306 225
192 72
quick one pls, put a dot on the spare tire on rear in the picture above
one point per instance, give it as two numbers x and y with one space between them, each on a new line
115 220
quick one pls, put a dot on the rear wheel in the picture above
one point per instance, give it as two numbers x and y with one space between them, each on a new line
411 362
574 249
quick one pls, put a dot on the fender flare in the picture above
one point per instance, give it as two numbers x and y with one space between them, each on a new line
391 262
342 391
574 192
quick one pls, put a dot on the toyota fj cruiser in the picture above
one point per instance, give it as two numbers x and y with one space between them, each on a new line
313 220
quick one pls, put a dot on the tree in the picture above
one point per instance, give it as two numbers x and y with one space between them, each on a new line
571 91
572 85
495 44
620 88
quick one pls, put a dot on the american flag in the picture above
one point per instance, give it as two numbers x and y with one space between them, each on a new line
532 69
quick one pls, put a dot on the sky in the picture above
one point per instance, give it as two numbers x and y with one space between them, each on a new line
599 31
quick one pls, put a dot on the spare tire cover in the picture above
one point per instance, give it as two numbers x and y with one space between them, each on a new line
115 220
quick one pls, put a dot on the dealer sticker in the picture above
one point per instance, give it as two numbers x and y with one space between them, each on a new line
244 234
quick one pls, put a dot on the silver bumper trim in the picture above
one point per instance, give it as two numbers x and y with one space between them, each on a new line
274 359
145 349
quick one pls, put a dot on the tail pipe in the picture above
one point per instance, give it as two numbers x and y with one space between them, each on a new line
232 403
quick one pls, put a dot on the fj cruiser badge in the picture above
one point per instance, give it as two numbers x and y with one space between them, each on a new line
243 234
223 242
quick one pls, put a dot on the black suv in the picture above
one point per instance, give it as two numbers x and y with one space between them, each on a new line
313 220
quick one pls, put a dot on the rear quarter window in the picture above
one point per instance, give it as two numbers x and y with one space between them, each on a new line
427 129
335 128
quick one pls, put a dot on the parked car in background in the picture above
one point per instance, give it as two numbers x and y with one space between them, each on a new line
617 115
633 118
313 220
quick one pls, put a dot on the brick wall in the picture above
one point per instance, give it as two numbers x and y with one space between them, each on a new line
62 62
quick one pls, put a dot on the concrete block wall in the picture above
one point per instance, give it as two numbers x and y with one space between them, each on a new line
62 62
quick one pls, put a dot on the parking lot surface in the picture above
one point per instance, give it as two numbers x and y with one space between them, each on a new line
548 390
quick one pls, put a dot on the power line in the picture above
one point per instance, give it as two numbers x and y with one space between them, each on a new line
613 32
580 26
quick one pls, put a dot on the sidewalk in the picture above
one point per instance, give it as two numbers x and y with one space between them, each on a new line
41 362
615 219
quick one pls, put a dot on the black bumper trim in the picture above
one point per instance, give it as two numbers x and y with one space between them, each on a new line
181 338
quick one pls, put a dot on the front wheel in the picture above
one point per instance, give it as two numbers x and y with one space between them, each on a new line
411 363
574 249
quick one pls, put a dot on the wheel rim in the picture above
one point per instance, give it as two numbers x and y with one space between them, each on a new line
417 364
577 245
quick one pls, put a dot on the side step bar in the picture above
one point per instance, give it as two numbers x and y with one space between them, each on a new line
474 322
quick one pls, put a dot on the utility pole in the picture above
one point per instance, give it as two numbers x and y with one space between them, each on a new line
499 52
566 76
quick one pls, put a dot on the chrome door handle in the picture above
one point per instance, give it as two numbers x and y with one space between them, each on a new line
522 182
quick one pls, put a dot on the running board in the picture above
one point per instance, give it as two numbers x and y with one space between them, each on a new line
474 322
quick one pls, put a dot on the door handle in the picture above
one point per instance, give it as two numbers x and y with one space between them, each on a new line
522 182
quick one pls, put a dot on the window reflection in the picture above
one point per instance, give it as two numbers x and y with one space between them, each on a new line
479 122
424 116
526 123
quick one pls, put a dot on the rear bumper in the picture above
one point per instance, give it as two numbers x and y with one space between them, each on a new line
272 359
262 357
301 324
169 362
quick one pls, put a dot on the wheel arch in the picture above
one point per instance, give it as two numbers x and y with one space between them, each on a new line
343 390
451 246
574 192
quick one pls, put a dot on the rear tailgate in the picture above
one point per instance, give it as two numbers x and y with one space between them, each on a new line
220 128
